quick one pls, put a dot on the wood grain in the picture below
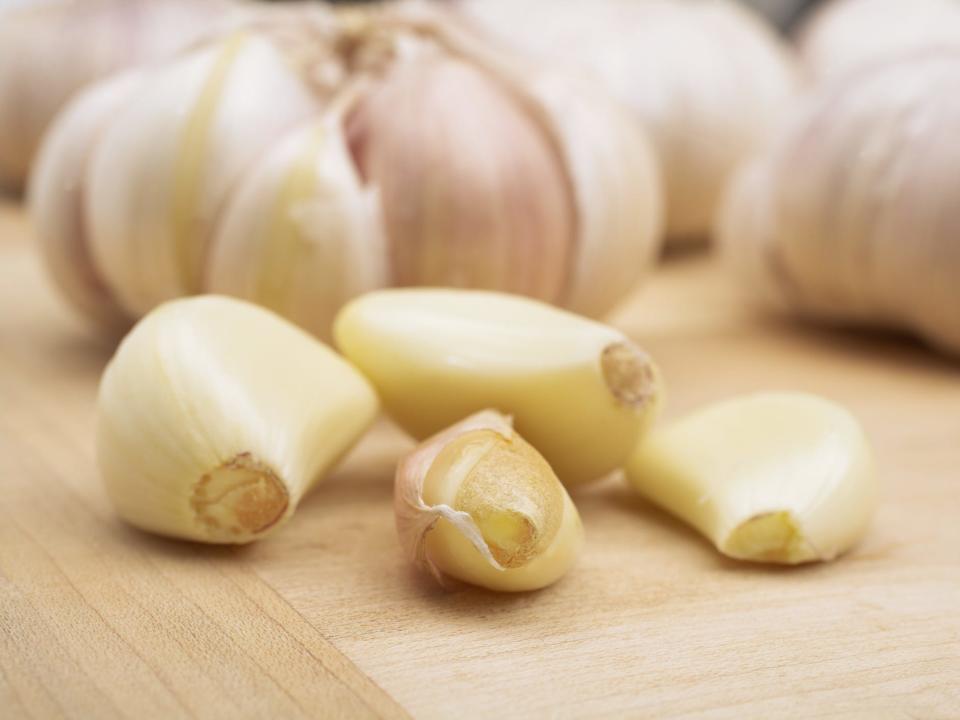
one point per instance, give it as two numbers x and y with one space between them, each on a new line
323 619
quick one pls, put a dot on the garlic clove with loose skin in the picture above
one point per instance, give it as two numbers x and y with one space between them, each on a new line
581 392
776 477
302 235
162 171
477 503
215 416
57 193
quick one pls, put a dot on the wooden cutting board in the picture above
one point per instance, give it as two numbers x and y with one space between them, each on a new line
324 619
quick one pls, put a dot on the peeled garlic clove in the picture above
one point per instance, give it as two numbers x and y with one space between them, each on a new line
580 392
477 503
57 196
776 477
844 36
851 215
302 235
473 194
164 167
215 417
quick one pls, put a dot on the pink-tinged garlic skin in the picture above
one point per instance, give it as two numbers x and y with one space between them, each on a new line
57 194
846 35
164 167
708 79
52 48
852 217
473 195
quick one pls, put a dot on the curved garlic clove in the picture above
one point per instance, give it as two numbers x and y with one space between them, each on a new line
216 416
851 216
477 503
777 477
581 392
56 198
302 235
473 194
160 175
849 35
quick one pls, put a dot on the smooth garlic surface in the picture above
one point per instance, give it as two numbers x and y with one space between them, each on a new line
397 148
51 49
852 215
579 391
477 503
215 416
843 36
773 477
708 79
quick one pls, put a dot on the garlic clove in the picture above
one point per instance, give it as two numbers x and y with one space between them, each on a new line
56 198
473 194
580 392
160 176
215 416
302 235
775 477
477 503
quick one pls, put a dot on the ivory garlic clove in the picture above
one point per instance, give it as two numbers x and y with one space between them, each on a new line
708 79
164 167
581 392
215 416
302 235
57 193
775 477
844 36
851 215
477 503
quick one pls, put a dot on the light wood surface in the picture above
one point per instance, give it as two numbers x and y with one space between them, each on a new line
324 619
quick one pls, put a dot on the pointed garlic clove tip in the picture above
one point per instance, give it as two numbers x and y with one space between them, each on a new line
478 504
579 391
777 477
215 417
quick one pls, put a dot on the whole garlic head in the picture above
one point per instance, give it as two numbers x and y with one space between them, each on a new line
707 78
298 164
852 217
845 35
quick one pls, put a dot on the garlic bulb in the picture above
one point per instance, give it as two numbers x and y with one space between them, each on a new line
50 49
215 417
707 78
477 503
852 217
845 35
580 391
773 477
396 149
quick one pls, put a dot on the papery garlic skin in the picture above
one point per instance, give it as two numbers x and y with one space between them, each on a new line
708 79
49 50
215 416
478 504
302 235
851 216
165 165
773 477
57 194
579 391
846 35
